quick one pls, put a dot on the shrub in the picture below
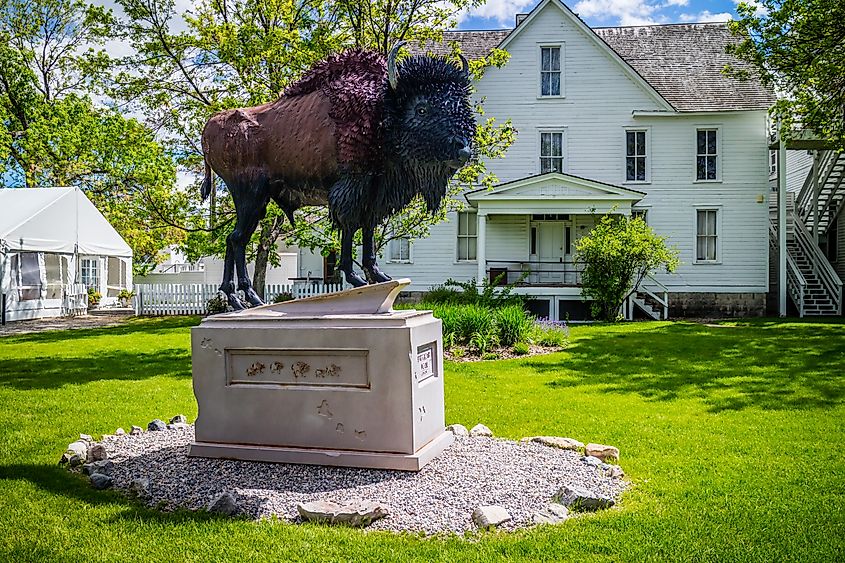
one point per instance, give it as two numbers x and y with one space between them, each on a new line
217 304
457 352
490 356
512 324
521 348
474 320
552 334
283 296
617 254
94 297
482 341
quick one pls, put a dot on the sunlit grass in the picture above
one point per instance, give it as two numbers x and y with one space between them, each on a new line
732 435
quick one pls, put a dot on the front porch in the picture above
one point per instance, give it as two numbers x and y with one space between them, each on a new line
526 233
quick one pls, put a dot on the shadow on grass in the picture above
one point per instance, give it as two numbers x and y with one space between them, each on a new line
54 372
768 364
135 325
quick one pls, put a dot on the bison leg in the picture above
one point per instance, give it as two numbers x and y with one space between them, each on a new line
346 237
250 214
371 269
228 285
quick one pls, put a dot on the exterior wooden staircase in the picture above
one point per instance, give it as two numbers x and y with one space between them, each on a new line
819 202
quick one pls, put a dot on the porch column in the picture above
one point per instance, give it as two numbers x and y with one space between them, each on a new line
781 227
816 193
481 248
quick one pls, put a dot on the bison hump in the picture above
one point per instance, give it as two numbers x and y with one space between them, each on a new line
354 82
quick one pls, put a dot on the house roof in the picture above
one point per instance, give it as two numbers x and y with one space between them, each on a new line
682 62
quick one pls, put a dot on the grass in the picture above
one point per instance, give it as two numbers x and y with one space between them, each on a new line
732 434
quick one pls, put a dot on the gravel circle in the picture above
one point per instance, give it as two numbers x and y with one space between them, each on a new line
522 477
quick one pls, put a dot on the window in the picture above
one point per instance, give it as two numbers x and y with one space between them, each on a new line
706 235
550 71
467 236
773 163
115 276
635 156
706 162
551 152
641 213
399 250
54 266
27 270
89 271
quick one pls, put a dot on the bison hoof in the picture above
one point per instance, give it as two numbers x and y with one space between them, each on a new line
355 280
235 302
377 276
253 297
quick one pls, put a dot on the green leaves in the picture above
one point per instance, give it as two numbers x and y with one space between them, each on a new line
617 254
798 49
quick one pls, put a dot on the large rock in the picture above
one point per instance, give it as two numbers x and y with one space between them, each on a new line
86 438
591 461
490 516
156 425
458 429
556 442
79 448
103 466
225 504
604 453
360 513
97 452
100 481
140 487
177 426
553 514
480 430
135 430
76 460
120 432
179 419
579 499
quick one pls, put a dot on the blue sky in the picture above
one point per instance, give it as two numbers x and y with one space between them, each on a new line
496 14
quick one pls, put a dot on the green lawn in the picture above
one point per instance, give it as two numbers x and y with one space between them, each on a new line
732 435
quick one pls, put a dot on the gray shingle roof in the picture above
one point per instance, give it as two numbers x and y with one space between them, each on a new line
683 62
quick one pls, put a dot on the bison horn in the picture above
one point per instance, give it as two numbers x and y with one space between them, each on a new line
392 75
464 64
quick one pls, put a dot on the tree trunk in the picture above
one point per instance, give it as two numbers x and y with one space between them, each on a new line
262 256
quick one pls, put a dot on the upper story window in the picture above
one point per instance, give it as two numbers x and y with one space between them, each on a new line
551 151
707 154
635 156
550 75
467 236
399 250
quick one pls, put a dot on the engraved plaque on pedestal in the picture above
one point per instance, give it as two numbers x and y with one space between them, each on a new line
353 389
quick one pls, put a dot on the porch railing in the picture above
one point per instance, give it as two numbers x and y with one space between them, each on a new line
535 272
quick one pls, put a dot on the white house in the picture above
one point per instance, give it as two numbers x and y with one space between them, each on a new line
54 245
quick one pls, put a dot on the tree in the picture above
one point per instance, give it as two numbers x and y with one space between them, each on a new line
617 254
52 133
238 53
798 49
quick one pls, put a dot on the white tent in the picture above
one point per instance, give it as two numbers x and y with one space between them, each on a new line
54 244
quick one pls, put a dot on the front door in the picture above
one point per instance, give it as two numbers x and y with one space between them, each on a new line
550 251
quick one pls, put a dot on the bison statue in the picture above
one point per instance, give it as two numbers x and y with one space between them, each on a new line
358 133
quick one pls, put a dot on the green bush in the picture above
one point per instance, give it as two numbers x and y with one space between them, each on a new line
512 324
521 348
217 304
283 296
475 320
549 333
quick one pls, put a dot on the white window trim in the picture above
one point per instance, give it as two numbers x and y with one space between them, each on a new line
99 268
720 157
564 146
458 237
643 208
648 154
410 259
773 166
719 220
540 47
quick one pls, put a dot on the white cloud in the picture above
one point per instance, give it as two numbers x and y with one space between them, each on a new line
676 3
759 8
621 12
503 12
706 17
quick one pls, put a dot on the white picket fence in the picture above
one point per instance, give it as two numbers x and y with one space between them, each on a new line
159 299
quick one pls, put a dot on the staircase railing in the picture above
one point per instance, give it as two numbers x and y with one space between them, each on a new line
644 288
807 205
796 283
821 267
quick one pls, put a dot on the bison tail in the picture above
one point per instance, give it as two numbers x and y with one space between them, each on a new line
207 183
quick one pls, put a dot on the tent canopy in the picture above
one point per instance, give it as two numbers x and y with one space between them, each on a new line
59 220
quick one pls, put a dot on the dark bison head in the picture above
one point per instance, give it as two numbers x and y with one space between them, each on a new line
430 123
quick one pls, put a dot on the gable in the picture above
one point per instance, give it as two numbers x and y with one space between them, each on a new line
555 185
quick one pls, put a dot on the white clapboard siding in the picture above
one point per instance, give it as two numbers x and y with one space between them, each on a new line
191 299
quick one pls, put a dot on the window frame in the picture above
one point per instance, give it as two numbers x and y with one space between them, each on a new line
466 236
562 49
773 164
98 278
719 219
644 211
646 156
563 148
718 155
391 260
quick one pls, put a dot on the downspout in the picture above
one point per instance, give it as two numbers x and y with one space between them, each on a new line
781 226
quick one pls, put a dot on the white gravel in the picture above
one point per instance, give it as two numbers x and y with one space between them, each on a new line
473 471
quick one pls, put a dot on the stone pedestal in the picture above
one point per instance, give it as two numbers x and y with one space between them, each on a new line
293 386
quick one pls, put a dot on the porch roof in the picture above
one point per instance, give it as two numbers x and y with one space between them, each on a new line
554 192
